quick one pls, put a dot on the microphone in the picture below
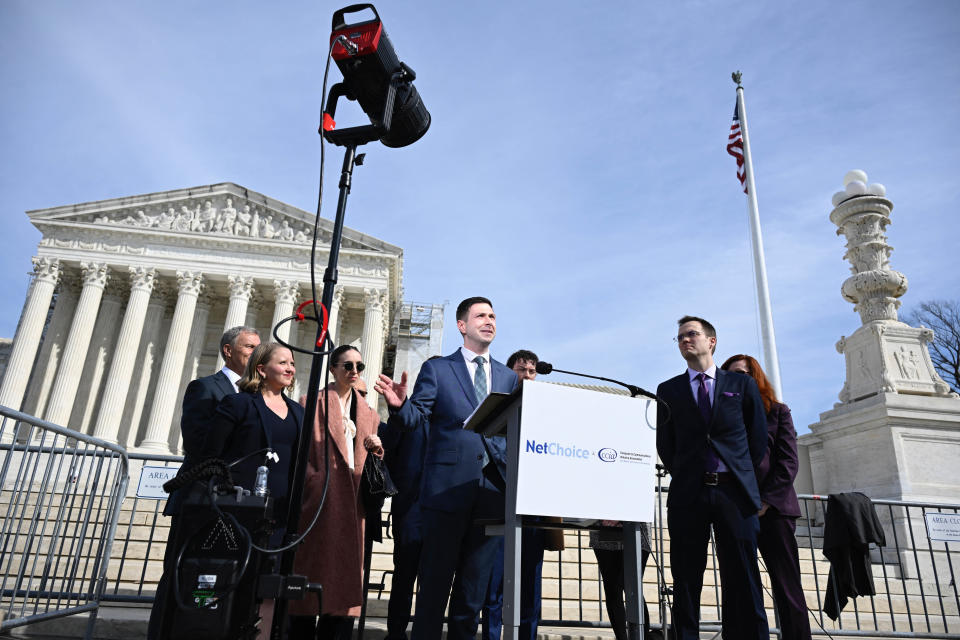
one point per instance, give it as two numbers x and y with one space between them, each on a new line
543 368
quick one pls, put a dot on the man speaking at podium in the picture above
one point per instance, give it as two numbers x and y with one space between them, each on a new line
462 475
710 441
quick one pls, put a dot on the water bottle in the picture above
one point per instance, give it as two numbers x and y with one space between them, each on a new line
260 487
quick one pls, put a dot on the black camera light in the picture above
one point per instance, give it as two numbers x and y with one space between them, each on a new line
374 76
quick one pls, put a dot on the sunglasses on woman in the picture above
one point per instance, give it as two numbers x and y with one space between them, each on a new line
348 366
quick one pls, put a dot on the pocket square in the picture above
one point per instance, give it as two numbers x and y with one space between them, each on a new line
731 394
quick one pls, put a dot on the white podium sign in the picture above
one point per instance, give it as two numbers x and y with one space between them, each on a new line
586 454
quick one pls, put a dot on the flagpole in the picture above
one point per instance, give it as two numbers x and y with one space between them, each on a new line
771 363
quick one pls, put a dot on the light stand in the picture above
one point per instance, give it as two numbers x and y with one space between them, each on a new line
350 138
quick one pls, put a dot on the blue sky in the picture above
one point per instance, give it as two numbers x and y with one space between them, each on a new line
575 169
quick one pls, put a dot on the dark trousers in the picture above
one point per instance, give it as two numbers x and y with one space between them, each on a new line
327 628
610 564
164 598
743 613
407 543
778 546
457 563
531 572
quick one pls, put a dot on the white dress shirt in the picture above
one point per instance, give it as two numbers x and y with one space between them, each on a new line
472 366
233 377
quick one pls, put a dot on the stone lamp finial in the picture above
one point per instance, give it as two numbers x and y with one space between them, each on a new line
884 355
862 213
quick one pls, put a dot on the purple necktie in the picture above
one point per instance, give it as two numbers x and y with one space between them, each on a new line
703 403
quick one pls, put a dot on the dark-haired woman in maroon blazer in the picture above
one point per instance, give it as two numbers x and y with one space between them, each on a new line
777 541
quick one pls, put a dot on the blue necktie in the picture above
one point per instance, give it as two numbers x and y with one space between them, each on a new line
703 403
480 379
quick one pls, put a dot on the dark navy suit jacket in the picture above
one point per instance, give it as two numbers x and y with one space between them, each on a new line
200 401
442 399
738 430
403 454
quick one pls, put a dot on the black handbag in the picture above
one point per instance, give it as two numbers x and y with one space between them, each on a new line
376 476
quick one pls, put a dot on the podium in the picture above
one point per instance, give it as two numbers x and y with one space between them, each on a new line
573 453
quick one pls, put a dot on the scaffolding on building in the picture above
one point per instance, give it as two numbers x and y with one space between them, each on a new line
412 320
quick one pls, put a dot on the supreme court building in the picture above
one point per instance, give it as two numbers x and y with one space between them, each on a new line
130 296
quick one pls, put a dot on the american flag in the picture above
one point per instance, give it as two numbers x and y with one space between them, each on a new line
735 147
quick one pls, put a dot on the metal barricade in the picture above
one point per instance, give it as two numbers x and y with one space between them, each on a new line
137 560
60 494
915 578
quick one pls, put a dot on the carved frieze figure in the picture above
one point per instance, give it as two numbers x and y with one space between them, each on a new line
228 218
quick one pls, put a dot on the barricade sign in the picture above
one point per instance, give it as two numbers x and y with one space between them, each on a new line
152 480
943 526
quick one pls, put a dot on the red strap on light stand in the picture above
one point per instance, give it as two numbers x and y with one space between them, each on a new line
323 326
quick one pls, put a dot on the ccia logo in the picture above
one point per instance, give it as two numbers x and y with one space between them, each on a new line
607 454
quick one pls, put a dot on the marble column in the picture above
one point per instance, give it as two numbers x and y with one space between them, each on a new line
333 327
94 373
253 314
240 289
125 351
171 368
51 349
191 366
198 337
371 345
78 341
147 363
27 340
285 295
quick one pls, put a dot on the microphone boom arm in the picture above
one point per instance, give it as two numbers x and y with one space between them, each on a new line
633 389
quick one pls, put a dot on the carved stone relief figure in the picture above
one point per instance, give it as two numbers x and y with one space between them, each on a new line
205 218
228 217
183 221
267 230
254 222
166 218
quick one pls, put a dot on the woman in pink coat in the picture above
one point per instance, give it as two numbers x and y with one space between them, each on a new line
332 553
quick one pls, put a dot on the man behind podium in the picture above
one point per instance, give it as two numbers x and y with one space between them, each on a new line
710 441
461 474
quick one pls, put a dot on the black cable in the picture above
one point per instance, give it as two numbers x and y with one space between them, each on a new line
316 349
770 593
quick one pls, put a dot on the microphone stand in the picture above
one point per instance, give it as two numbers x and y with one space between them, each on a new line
633 389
